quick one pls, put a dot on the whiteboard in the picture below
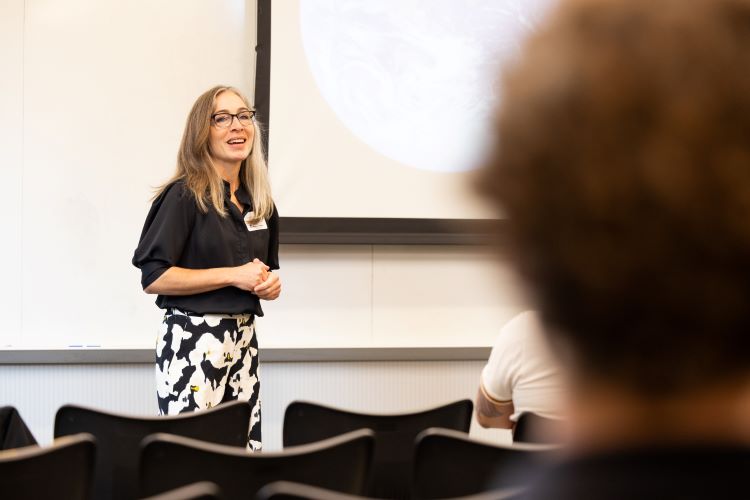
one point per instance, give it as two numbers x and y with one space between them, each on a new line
94 97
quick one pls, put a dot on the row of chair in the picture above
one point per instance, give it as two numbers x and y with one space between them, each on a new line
287 490
353 453
448 464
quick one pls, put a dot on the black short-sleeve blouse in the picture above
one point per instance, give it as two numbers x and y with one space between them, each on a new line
177 233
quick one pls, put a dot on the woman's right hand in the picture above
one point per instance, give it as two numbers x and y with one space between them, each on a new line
250 275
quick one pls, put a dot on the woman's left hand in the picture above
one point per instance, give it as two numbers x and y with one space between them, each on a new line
270 288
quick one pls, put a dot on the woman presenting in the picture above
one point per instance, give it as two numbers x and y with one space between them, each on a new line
208 248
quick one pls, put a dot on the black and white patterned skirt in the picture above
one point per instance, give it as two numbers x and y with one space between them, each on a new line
206 359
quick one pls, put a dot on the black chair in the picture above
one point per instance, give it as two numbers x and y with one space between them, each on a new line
204 490
533 428
284 490
287 490
450 464
119 437
13 430
341 464
63 470
394 437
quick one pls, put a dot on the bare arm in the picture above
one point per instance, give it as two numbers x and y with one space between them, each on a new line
493 413
182 281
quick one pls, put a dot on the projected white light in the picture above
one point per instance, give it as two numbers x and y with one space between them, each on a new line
415 79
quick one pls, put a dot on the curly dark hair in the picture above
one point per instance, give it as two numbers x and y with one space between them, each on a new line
623 167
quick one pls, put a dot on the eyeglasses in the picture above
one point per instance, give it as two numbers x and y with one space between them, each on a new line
224 120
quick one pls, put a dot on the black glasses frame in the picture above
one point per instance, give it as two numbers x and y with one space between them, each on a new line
232 117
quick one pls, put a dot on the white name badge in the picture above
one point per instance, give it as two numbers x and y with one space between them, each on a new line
254 227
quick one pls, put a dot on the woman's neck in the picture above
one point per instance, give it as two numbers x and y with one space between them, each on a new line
230 172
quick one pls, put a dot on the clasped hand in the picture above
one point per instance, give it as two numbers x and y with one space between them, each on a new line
257 278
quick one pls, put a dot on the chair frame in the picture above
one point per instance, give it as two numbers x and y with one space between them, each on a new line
115 472
288 489
384 417
534 428
33 450
16 456
202 489
394 436
152 418
543 450
242 454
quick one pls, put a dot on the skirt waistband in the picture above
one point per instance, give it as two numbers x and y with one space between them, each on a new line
247 317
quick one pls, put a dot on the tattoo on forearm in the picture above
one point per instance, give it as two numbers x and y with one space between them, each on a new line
488 409
492 413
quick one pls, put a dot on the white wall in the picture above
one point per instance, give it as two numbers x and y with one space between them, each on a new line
388 296
11 145
96 93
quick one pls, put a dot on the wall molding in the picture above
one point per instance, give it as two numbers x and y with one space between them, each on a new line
267 355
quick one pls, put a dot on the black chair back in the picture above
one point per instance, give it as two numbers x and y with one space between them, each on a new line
341 464
394 437
63 470
204 490
533 428
287 490
284 490
119 437
450 464
13 430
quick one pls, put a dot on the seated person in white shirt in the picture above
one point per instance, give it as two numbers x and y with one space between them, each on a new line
520 376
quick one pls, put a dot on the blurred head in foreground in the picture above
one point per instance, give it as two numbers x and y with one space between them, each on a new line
623 167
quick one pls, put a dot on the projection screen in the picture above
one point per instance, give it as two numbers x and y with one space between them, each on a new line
378 113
